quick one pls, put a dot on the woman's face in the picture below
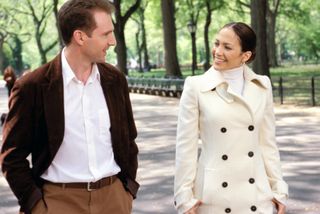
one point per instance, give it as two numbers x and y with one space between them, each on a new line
227 53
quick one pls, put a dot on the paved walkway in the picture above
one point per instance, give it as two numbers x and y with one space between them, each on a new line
297 133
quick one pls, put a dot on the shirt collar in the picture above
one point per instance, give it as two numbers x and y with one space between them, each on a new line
68 74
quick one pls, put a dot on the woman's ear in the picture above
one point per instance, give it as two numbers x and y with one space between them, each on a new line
246 56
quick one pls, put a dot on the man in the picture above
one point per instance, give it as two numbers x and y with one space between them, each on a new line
74 116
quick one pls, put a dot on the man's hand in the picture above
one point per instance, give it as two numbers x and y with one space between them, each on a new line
193 210
281 208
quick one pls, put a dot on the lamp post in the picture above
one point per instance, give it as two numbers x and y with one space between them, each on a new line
192 28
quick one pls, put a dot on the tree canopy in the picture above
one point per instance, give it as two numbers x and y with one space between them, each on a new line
29 36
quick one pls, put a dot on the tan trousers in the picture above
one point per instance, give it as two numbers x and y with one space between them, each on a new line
111 199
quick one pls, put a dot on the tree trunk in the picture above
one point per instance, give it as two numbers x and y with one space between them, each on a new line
139 51
119 25
146 64
17 55
272 12
272 48
55 11
194 52
1 55
259 25
170 46
40 47
206 64
121 49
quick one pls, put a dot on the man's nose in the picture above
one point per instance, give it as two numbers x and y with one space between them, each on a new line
112 40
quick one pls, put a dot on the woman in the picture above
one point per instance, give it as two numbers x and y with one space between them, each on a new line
10 77
231 109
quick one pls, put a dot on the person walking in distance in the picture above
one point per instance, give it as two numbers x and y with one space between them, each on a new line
74 116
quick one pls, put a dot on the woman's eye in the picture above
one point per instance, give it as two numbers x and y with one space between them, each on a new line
216 44
228 48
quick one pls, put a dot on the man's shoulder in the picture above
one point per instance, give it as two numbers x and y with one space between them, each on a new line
110 71
39 75
106 67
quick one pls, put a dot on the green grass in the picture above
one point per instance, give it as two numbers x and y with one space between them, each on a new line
285 71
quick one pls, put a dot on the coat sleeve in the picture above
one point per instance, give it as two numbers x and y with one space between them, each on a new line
131 184
186 148
270 151
18 137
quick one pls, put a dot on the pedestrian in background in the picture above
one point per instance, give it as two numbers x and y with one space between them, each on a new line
231 109
74 116
10 77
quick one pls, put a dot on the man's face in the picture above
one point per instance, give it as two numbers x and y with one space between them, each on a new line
102 37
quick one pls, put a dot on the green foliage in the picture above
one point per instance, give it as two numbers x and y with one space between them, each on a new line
297 30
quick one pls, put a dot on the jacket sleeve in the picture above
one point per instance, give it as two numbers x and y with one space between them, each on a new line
131 184
186 148
270 151
18 135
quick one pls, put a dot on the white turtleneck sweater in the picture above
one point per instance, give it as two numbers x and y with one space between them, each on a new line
235 79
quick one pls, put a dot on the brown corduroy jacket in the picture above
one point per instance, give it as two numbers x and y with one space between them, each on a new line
35 125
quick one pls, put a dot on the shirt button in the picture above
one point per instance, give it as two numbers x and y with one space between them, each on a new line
228 210
224 157
224 184
253 208
250 154
251 128
251 180
223 130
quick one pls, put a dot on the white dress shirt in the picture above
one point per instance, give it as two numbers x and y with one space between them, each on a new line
85 154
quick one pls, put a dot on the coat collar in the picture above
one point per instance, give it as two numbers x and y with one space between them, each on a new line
214 79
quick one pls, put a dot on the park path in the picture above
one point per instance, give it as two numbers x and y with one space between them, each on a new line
298 131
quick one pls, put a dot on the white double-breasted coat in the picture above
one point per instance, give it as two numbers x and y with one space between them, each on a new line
238 169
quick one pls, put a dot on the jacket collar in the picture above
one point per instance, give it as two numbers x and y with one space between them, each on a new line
214 78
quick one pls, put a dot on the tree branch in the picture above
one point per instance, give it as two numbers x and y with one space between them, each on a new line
130 11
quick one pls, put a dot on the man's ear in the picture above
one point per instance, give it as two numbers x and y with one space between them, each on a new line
246 56
79 37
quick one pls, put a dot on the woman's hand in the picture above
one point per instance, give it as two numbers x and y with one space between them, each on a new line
193 210
281 208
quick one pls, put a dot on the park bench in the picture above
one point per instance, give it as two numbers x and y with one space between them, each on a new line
156 86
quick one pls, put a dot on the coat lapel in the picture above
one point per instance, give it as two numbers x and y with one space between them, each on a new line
253 87
52 93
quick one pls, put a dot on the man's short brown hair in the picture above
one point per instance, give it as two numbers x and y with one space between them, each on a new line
77 15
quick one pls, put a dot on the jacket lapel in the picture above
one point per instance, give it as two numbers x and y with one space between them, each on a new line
52 93
108 83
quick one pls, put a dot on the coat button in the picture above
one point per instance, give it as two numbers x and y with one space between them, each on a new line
224 184
250 154
253 208
251 128
224 157
223 130
228 210
251 180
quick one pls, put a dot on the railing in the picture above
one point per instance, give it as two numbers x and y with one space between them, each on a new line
286 90
297 90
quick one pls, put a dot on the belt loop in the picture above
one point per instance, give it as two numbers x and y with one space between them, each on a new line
63 186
